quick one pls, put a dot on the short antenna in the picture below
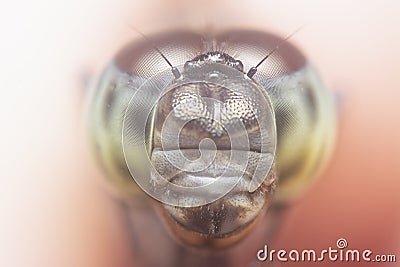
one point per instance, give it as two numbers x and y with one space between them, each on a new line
174 70
253 70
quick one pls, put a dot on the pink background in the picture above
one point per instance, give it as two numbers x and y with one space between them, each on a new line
54 211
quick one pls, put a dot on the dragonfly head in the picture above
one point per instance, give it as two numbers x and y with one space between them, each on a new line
213 151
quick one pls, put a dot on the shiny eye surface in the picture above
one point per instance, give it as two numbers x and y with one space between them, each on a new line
209 142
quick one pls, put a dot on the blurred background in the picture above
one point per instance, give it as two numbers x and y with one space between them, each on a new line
54 211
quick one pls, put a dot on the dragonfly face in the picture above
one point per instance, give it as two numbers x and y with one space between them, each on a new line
210 143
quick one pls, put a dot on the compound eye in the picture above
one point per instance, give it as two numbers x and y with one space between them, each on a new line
251 46
139 58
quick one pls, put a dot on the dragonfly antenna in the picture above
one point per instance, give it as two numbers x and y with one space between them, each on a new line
253 70
174 70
